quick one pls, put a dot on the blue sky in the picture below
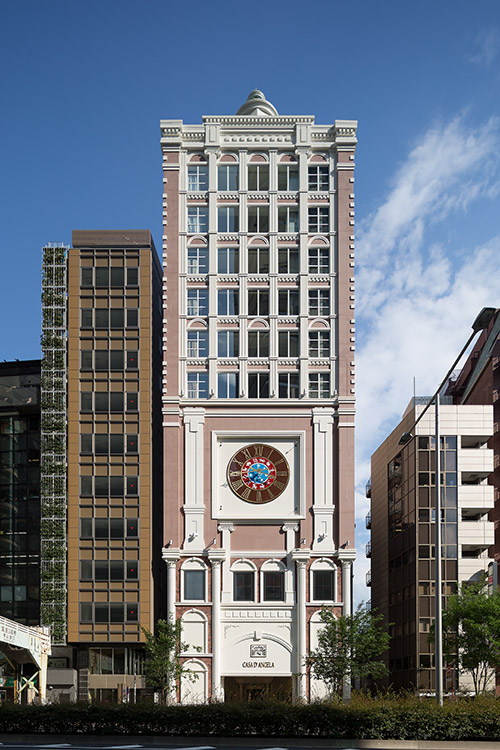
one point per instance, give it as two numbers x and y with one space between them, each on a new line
84 85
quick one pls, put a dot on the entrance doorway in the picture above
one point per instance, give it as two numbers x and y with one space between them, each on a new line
257 688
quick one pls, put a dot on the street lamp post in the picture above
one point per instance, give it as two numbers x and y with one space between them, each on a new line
482 321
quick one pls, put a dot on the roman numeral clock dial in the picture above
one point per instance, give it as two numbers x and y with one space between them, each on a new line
258 473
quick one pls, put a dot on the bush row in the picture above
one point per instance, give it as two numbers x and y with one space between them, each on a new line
363 718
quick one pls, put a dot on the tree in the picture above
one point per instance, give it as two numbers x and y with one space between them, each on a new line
163 667
471 633
349 646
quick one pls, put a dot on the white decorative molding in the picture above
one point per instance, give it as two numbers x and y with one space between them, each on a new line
201 279
194 507
319 279
196 196
258 197
288 237
258 279
288 279
257 613
231 278
323 507
225 320
288 321
228 362
288 196
288 362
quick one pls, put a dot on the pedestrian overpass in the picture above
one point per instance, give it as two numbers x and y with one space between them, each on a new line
21 645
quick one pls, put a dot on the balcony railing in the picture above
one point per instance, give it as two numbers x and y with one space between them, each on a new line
368 490
368 520
368 549
369 578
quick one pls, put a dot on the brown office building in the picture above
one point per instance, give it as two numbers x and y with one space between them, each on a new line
101 305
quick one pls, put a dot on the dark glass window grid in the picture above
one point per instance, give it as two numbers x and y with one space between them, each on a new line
109 570
104 612
194 585
114 277
323 585
109 528
243 586
273 586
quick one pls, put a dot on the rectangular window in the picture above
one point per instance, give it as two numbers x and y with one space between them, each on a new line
87 277
319 302
288 178
288 385
198 178
288 219
258 385
197 302
319 385
132 570
274 586
197 385
227 343
243 586
132 360
288 343
132 443
227 385
258 343
227 219
258 260
228 178
319 219
85 402
116 359
101 276
319 343
227 260
258 302
132 277
132 401
323 585
258 177
197 343
197 260
194 585
258 219
227 302
132 486
288 302
86 573
132 318
117 276
288 260
86 317
318 179
197 220
319 260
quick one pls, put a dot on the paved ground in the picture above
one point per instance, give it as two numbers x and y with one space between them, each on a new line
89 742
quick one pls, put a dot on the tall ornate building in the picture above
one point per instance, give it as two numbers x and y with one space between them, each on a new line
258 392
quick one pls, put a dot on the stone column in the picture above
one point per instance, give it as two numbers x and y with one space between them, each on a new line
347 559
301 557
226 529
171 557
216 557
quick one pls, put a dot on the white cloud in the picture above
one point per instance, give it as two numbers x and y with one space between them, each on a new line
488 46
418 299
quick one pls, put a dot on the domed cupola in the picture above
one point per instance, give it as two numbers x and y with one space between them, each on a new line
257 106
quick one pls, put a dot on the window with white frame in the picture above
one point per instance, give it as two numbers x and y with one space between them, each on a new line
193 582
288 260
244 572
227 385
258 302
258 385
319 219
194 631
227 301
288 385
258 343
258 260
322 581
258 177
227 343
197 302
273 581
288 219
197 385
288 178
227 260
288 302
318 178
319 343
258 219
197 178
319 385
197 219
197 260
197 343
319 302
288 344
227 178
227 219
319 260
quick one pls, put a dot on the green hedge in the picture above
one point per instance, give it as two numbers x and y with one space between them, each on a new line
363 718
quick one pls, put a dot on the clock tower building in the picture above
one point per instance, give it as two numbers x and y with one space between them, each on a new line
258 393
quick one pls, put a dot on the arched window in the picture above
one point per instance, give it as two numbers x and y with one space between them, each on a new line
194 632
194 580
194 682
272 581
323 581
243 581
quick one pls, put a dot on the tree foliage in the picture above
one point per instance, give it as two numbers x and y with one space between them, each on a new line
349 646
163 667
471 633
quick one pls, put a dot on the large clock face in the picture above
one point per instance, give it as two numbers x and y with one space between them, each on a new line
258 473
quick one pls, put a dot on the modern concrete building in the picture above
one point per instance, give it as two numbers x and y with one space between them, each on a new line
402 522
258 392
101 458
